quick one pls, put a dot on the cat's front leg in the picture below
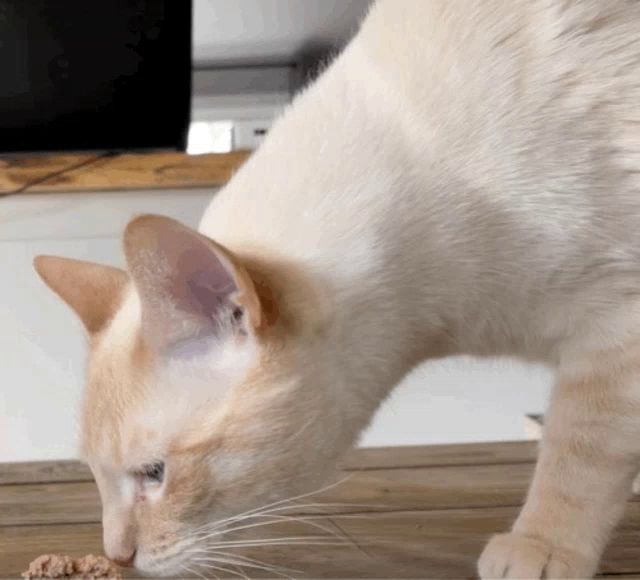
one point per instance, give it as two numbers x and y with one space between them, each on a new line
588 459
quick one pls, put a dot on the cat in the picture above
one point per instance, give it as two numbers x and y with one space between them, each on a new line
464 178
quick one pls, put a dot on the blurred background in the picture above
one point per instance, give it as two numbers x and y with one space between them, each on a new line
249 59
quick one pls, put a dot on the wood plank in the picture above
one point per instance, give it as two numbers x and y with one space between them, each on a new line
366 491
49 503
454 487
433 488
443 544
43 472
491 453
86 172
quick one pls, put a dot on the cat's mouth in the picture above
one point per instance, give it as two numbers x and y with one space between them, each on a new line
175 561
171 568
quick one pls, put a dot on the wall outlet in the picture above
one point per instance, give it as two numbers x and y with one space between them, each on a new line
249 134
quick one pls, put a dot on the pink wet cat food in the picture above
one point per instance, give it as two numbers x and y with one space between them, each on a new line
88 568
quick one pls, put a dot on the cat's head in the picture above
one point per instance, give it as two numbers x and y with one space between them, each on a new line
208 388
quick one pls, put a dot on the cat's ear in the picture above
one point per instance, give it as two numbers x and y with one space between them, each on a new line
189 285
93 291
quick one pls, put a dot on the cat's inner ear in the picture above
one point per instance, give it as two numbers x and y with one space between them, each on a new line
189 286
93 291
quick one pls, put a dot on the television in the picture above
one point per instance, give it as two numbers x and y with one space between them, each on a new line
94 75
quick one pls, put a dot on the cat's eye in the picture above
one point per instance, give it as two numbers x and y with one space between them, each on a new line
153 472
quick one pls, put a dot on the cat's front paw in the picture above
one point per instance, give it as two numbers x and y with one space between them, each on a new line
519 556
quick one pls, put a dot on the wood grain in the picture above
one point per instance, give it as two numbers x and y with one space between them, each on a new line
17 172
438 455
419 513
431 544
43 472
85 172
367 491
49 503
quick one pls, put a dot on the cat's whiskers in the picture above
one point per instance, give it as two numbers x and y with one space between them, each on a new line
283 501
206 552
225 558
249 562
276 519
275 514
209 565
290 541
191 571
216 529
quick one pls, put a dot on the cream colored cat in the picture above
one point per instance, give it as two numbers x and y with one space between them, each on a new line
464 178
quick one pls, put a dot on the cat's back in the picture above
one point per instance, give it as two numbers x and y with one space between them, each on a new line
471 65
526 114
534 105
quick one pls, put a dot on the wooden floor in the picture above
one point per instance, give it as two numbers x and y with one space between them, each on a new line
417 512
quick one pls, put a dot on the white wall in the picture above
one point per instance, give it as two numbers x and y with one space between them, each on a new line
41 365
460 400
232 32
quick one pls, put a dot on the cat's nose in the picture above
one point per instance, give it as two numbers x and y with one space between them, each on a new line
126 561
120 537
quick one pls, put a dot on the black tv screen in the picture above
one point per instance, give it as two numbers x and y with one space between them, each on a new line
86 75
